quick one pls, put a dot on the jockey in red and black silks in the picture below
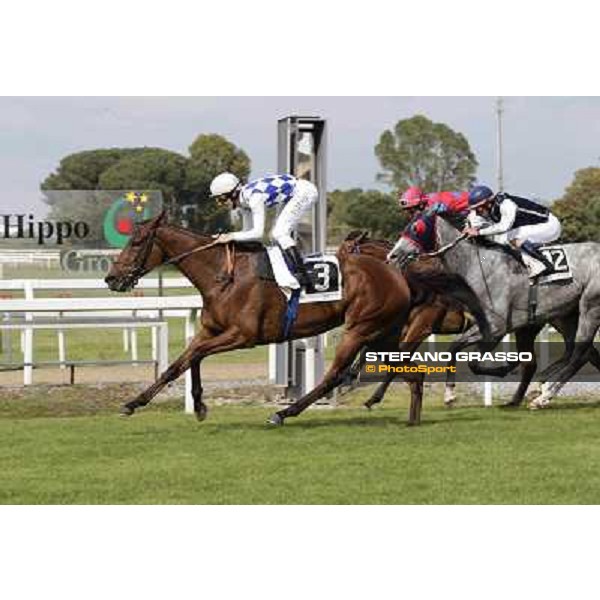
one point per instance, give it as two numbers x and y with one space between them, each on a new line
423 209
421 231
450 203
453 203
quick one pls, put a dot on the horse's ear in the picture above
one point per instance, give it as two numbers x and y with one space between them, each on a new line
352 235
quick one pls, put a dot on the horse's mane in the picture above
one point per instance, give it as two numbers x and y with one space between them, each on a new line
504 248
362 237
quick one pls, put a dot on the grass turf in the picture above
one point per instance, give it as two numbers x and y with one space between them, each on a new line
80 452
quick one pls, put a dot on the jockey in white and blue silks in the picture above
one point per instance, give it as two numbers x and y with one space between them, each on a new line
297 196
519 221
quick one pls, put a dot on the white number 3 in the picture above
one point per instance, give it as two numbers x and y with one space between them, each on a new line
323 272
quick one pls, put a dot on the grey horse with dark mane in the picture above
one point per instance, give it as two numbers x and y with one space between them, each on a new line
512 302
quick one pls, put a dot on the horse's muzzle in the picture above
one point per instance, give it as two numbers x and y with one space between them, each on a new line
119 284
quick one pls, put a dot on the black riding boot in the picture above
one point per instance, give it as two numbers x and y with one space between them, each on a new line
533 251
295 259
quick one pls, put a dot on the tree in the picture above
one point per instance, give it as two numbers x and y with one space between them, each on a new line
109 169
370 210
184 182
579 208
82 170
152 169
426 154
210 154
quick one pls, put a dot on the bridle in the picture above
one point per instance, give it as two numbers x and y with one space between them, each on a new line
140 269
357 241
414 256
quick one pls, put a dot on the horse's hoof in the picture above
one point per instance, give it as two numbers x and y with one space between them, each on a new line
510 404
201 414
413 423
371 402
368 405
449 401
538 403
126 411
276 420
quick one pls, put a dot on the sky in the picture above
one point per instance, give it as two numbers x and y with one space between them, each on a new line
546 139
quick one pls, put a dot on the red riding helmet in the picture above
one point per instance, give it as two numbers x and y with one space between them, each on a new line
412 198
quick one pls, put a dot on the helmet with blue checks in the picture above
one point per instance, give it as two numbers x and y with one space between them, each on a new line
479 194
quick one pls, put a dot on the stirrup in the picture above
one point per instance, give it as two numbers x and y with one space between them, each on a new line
298 265
536 276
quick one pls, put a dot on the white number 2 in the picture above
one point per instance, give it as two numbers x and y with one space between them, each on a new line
557 258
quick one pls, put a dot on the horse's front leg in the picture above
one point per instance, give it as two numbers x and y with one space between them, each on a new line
345 353
420 327
204 344
525 339
200 409
416 400
379 393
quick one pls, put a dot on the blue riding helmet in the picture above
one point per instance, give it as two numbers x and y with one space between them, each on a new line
479 193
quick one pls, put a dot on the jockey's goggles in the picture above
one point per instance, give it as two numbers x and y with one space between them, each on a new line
483 203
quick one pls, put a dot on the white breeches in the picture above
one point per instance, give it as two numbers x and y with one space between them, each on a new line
542 233
474 220
305 195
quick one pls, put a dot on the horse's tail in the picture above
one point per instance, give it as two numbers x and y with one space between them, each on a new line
452 286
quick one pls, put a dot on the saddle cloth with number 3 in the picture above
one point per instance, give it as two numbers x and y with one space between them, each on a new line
323 270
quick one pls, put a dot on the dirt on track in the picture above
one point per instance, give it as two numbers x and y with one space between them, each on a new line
130 373
107 398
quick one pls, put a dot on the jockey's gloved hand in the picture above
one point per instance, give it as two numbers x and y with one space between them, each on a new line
471 232
223 238
439 208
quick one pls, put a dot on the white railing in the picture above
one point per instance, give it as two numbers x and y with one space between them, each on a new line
146 306
46 258
100 308
29 286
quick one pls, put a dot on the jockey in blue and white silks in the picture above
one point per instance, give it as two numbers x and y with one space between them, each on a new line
296 196
519 221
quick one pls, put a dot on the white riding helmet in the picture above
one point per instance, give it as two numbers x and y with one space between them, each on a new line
224 183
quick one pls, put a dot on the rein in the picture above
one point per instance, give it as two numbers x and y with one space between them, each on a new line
487 287
445 248
227 278
180 257
451 245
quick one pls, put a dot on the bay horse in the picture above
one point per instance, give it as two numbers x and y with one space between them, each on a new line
241 310
432 313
